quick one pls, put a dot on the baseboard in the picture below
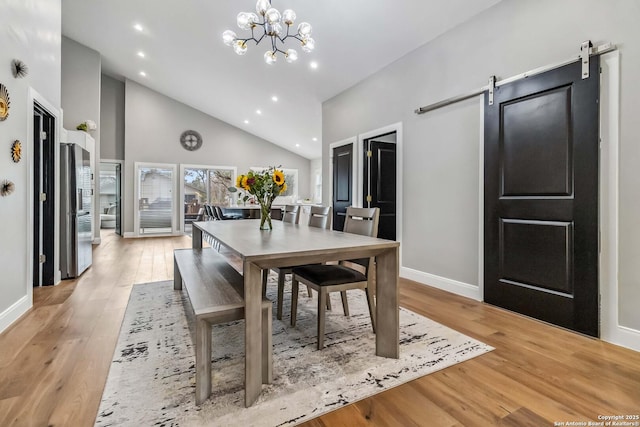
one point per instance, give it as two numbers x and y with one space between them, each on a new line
449 285
14 312
132 235
623 336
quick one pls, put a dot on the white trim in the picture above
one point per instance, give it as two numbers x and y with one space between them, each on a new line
14 312
444 283
611 330
183 166
136 205
397 128
354 179
481 203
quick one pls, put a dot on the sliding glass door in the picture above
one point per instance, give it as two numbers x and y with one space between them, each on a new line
155 184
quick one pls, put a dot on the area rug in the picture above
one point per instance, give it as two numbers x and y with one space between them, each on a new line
152 377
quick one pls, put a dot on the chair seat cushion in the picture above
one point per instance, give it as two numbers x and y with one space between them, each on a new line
327 275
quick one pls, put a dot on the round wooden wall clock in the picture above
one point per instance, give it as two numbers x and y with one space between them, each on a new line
4 102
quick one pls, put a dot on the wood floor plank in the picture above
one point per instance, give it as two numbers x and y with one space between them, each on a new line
54 361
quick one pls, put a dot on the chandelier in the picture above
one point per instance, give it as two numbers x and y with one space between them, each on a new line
270 24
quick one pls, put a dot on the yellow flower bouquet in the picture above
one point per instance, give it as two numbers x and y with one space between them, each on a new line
265 186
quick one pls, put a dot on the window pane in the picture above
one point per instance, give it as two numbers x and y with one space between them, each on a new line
155 200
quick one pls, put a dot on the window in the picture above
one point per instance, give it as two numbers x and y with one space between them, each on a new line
205 184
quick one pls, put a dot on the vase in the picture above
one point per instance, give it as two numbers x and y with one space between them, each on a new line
265 217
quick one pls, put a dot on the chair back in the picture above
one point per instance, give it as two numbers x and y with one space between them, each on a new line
291 214
208 211
363 221
320 216
200 215
217 212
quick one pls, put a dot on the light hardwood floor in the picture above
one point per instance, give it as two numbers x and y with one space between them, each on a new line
54 361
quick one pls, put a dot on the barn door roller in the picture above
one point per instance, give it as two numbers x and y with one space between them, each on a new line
586 50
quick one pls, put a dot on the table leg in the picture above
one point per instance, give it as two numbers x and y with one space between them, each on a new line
196 237
387 309
253 332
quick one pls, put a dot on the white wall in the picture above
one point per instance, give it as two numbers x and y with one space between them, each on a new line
81 87
442 148
112 119
30 31
154 124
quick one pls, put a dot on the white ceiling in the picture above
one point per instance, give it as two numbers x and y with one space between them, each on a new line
185 58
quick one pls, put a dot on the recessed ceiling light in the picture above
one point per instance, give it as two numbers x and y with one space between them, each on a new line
143 74
141 54
297 145
314 139
313 64
246 122
138 27
258 112
274 98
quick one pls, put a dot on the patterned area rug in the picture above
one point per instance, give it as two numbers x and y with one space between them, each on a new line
152 377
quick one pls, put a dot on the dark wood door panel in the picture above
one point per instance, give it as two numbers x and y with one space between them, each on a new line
537 253
541 197
342 184
536 144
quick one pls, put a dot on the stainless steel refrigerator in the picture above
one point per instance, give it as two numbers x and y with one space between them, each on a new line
75 210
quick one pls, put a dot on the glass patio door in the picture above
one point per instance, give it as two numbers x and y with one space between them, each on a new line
155 184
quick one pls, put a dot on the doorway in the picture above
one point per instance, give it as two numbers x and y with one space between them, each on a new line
344 169
109 206
541 197
44 150
379 183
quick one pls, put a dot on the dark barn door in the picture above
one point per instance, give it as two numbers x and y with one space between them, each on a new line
541 197
342 184
380 184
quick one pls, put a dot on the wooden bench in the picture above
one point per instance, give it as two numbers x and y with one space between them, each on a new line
216 293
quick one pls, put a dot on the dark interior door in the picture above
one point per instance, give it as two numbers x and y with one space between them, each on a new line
44 145
342 184
541 197
380 184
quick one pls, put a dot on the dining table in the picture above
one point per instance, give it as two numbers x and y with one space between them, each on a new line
289 245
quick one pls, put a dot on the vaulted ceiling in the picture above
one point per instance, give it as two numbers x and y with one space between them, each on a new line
185 58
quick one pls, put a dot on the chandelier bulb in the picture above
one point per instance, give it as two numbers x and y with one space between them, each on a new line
228 37
272 16
288 17
291 56
262 6
240 47
270 57
304 29
308 44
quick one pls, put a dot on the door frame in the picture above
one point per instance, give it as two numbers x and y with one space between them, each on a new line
397 128
33 97
174 195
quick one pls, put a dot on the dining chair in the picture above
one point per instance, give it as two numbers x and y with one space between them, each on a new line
221 215
291 214
320 217
340 277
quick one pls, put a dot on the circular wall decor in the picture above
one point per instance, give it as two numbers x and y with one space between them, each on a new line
6 188
4 102
191 140
19 69
16 151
